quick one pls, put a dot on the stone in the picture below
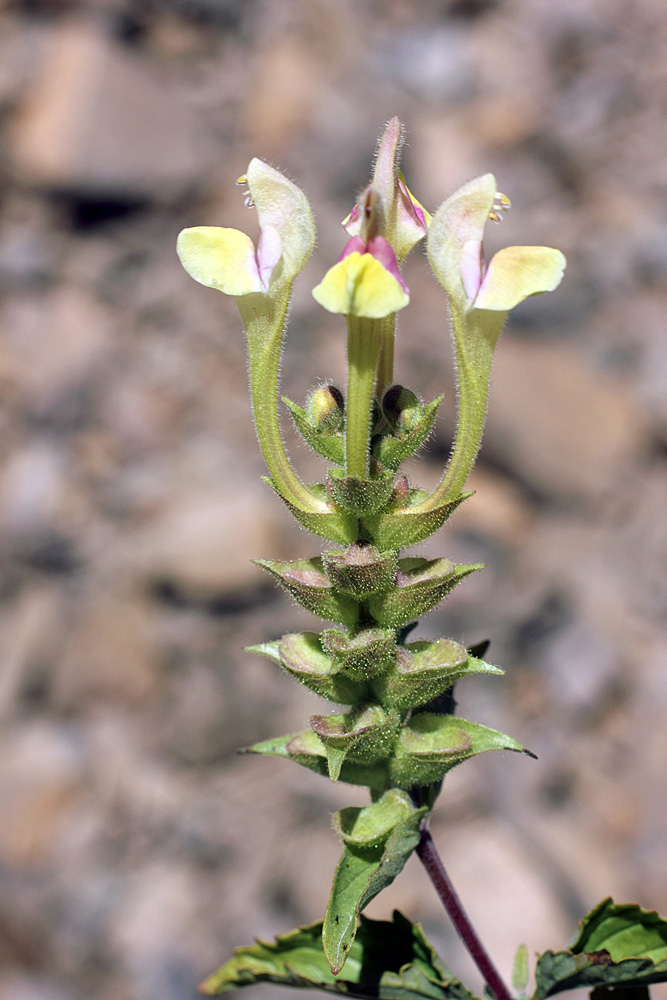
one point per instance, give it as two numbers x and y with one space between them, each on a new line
100 122
203 544
557 422
111 654
56 342
41 776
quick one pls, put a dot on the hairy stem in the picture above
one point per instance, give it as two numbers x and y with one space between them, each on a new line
363 350
385 375
432 862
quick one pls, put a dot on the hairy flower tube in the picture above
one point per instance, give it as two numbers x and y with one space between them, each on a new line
480 296
261 281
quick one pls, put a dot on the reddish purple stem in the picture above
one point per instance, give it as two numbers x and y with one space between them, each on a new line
429 857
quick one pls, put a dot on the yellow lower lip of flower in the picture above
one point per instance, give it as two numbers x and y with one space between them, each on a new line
220 258
359 285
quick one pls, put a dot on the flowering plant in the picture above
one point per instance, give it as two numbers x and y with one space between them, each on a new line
395 730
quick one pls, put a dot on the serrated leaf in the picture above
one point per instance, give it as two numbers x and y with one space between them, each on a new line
617 945
361 874
388 961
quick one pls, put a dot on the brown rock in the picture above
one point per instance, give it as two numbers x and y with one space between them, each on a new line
41 780
112 653
56 341
204 544
101 122
559 423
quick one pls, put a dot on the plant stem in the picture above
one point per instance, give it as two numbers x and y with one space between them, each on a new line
432 862
363 350
385 375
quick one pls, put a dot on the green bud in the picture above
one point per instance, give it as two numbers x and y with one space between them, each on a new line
410 430
402 409
325 408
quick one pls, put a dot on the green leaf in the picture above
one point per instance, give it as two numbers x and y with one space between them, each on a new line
617 945
430 745
420 585
306 748
306 581
301 654
333 524
388 961
396 529
424 670
363 871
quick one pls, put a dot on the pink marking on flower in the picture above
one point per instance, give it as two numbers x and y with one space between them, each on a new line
268 254
472 268
381 249
354 244
416 210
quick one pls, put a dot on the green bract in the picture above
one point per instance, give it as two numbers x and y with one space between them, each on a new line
391 726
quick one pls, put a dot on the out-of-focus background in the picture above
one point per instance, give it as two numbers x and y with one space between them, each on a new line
135 848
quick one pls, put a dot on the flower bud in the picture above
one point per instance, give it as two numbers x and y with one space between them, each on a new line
402 409
325 408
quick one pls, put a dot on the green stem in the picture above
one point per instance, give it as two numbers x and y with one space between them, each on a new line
474 354
264 326
385 376
363 351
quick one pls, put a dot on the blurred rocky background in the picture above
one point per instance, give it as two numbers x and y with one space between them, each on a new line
135 848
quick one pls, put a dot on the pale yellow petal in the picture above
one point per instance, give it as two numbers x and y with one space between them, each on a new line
220 258
359 285
517 272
